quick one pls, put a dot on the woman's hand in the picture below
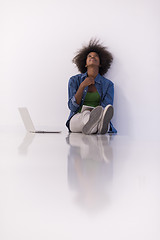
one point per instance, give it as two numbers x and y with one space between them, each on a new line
87 82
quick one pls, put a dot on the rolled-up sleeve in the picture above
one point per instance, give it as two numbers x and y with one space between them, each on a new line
72 89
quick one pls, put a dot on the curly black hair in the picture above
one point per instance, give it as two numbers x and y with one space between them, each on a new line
105 56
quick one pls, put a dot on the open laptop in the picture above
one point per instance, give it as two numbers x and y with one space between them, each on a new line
29 124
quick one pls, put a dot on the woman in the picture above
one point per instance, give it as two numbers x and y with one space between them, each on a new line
91 89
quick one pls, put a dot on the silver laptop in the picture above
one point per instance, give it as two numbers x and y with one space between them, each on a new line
29 124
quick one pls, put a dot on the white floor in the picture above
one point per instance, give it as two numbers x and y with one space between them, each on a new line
73 187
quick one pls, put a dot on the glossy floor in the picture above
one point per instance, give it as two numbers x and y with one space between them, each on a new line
73 187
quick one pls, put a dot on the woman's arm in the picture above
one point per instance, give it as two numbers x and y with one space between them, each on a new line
75 92
87 82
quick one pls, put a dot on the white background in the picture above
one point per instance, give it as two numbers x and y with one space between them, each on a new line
38 40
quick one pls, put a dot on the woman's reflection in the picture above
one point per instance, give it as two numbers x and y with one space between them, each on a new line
90 168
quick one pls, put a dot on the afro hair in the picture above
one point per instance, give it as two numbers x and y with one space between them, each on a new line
105 56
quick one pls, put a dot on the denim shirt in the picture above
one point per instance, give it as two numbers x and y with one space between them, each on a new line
104 87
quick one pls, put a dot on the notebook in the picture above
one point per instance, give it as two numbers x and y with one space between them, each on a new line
29 124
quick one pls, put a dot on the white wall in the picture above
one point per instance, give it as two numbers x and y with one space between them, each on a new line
38 40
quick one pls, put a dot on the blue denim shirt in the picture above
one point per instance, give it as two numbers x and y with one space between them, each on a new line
104 87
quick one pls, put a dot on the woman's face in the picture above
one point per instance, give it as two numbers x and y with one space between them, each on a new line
92 59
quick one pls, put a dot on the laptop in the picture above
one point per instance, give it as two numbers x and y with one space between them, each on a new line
29 124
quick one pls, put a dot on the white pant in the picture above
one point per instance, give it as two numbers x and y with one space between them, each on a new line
78 121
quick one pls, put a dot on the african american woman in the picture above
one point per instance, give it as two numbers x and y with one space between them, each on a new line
90 93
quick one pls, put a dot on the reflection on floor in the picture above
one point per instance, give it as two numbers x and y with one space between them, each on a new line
74 186
90 168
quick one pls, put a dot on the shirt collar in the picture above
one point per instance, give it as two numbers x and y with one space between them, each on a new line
84 75
97 79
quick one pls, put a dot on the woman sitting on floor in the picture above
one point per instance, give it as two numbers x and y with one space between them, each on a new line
92 89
